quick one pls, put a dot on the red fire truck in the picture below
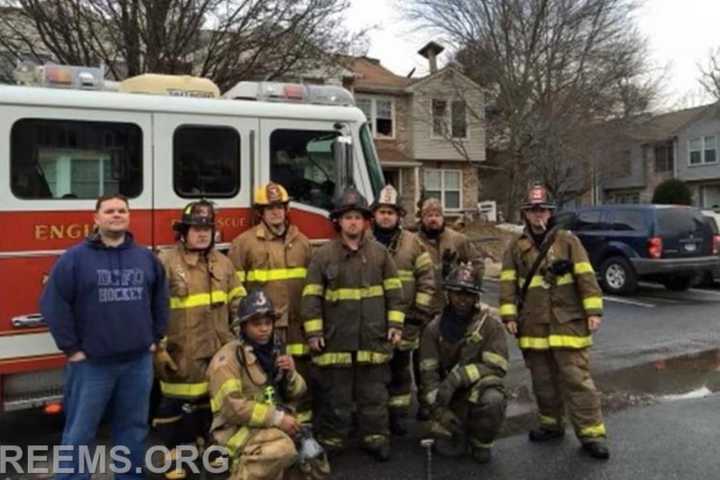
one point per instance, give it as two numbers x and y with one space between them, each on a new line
68 136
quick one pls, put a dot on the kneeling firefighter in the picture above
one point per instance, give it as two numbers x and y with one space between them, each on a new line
253 387
463 361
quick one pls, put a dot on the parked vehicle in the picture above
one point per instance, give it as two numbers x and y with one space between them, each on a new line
669 244
161 141
714 218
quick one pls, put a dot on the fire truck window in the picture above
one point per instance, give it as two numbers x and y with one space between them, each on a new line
206 162
67 159
302 162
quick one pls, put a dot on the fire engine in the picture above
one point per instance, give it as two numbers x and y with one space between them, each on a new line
162 141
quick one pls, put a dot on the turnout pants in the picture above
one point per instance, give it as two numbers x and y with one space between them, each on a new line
400 383
342 386
181 422
561 378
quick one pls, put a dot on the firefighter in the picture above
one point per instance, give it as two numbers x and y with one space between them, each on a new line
274 256
418 280
353 317
253 387
204 293
464 358
446 247
561 308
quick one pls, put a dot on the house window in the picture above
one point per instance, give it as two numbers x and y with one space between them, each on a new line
380 113
394 177
703 150
664 158
445 185
449 116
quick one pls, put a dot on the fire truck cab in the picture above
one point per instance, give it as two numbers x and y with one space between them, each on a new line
161 141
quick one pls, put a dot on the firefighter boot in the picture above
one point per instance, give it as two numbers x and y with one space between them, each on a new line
176 471
378 446
597 449
481 454
545 435
397 425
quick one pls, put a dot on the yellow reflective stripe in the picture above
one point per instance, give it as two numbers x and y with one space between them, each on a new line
537 281
297 349
395 316
405 345
240 274
494 359
422 298
429 364
508 275
583 267
508 309
548 421
237 292
332 359
198 300
259 413
406 275
305 417
392 283
423 260
354 293
477 443
400 401
472 372
365 356
273 274
231 385
237 441
594 431
593 303
189 390
555 341
312 289
566 279
314 325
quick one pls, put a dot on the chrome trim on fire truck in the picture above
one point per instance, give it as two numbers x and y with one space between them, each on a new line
31 253
30 320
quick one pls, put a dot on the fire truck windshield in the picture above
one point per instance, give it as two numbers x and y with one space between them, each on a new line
373 165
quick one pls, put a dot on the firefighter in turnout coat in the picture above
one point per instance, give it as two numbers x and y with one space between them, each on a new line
274 256
353 316
416 273
464 358
252 389
204 294
562 307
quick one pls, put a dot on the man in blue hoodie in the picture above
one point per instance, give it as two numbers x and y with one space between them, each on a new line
107 305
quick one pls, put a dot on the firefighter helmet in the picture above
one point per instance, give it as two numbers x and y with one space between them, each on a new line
200 213
388 198
257 303
537 198
462 278
270 194
349 199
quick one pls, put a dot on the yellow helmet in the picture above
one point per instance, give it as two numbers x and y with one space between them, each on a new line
270 194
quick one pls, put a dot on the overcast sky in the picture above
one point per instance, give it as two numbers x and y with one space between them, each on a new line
681 33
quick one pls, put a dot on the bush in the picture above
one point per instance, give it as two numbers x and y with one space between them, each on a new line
672 192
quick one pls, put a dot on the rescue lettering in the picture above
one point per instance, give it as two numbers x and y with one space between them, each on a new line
120 285
74 231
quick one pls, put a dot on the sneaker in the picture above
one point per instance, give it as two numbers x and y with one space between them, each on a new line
545 435
481 454
597 449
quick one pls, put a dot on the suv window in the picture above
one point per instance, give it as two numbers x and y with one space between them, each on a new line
589 221
674 222
302 161
628 220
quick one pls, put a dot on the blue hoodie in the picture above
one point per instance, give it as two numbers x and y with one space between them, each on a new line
108 302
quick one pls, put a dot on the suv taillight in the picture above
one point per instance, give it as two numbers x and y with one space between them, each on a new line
716 244
655 247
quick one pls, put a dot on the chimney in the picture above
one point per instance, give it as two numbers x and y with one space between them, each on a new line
431 51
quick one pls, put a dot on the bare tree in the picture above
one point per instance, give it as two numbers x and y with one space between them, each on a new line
226 41
710 74
549 67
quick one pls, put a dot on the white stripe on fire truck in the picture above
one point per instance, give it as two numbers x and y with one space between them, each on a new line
27 345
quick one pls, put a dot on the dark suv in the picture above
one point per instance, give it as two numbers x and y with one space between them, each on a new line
670 244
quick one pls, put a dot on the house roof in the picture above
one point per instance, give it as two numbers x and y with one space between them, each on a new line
370 75
665 126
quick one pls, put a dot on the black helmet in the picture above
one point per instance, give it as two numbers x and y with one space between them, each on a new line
255 304
196 214
462 278
349 199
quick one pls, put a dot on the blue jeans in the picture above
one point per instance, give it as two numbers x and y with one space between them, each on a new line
118 391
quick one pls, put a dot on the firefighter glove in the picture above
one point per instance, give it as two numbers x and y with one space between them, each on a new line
448 420
164 364
447 388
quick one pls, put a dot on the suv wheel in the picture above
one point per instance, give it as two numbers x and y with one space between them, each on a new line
677 284
618 276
